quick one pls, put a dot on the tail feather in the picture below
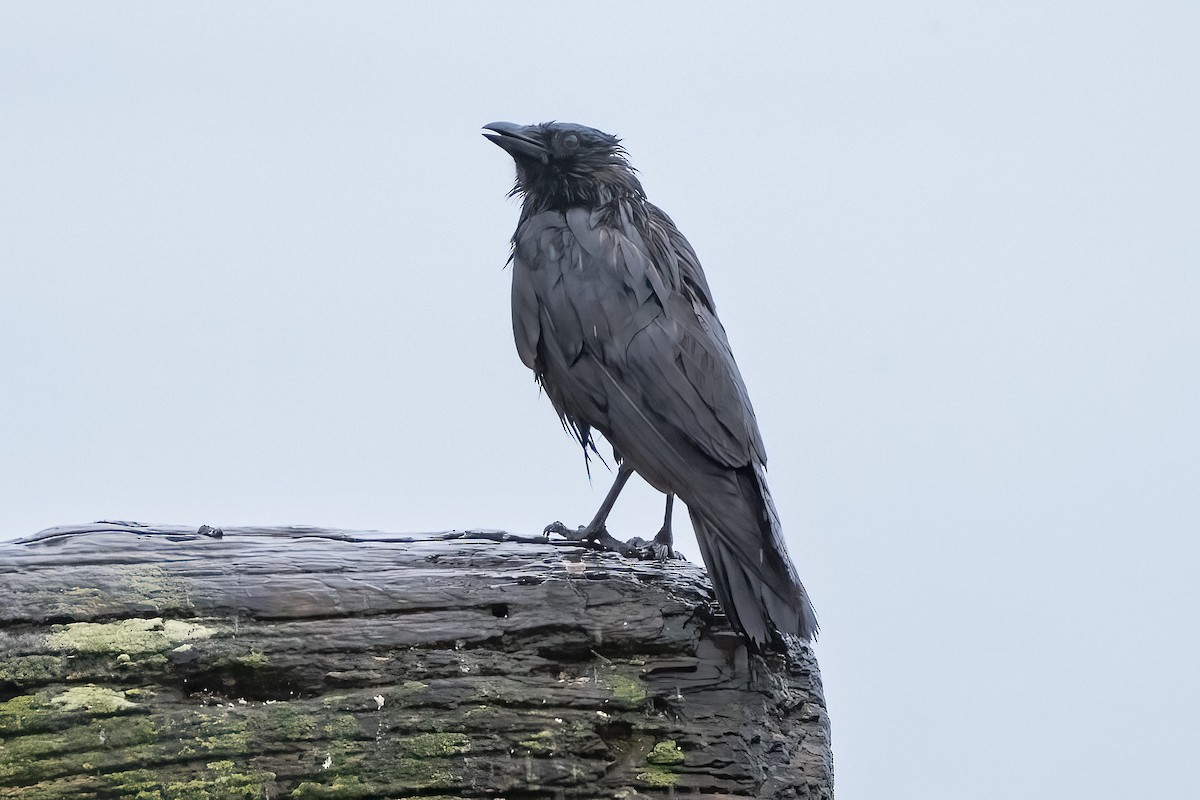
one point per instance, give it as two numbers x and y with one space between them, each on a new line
754 579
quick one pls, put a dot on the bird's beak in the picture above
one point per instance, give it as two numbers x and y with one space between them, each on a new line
517 140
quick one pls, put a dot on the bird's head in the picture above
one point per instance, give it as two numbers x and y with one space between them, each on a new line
560 164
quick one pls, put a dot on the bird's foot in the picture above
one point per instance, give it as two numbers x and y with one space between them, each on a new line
659 548
598 536
580 534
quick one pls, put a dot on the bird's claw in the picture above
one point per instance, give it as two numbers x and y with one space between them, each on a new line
598 536
659 548
580 534
663 552
652 550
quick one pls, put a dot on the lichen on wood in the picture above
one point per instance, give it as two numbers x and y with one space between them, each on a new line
156 663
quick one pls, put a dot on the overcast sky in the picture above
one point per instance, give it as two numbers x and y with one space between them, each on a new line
251 271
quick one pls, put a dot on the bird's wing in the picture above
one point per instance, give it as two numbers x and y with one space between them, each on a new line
568 297
527 329
679 250
672 352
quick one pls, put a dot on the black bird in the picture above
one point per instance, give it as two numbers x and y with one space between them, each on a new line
612 312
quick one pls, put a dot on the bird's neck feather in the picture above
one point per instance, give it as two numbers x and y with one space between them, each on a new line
600 188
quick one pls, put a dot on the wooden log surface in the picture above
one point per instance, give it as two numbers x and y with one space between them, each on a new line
158 663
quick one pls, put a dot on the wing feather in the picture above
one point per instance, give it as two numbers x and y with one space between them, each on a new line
581 286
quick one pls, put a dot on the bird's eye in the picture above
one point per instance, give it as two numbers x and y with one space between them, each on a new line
570 142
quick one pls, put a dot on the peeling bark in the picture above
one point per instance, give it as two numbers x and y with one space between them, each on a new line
157 663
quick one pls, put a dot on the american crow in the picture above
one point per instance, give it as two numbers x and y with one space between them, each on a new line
613 314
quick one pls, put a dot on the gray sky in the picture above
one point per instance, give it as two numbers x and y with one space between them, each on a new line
251 272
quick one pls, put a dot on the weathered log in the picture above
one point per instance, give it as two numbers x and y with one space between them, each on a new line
159 663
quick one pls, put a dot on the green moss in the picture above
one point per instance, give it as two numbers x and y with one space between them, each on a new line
419 763
665 754
343 726
561 737
626 689
139 784
130 636
16 714
92 699
100 745
220 781
340 788
45 711
284 721
156 587
430 745
254 660
222 731
408 688
658 777
415 773
53 790
350 787
26 670
542 742
659 762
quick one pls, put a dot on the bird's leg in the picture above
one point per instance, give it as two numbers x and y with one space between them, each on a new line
663 539
595 531
660 546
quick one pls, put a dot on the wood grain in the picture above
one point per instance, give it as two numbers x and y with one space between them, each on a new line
158 663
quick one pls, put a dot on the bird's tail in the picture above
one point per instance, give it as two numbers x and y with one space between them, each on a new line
754 578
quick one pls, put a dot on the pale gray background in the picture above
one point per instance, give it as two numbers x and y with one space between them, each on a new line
252 273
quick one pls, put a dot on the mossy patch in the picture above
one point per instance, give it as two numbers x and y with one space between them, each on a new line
283 721
660 761
255 659
432 745
626 689
343 726
101 745
47 711
17 713
542 742
92 699
658 777
665 754
24 671
221 780
220 732
341 787
129 636
418 763
157 588
407 689
407 773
